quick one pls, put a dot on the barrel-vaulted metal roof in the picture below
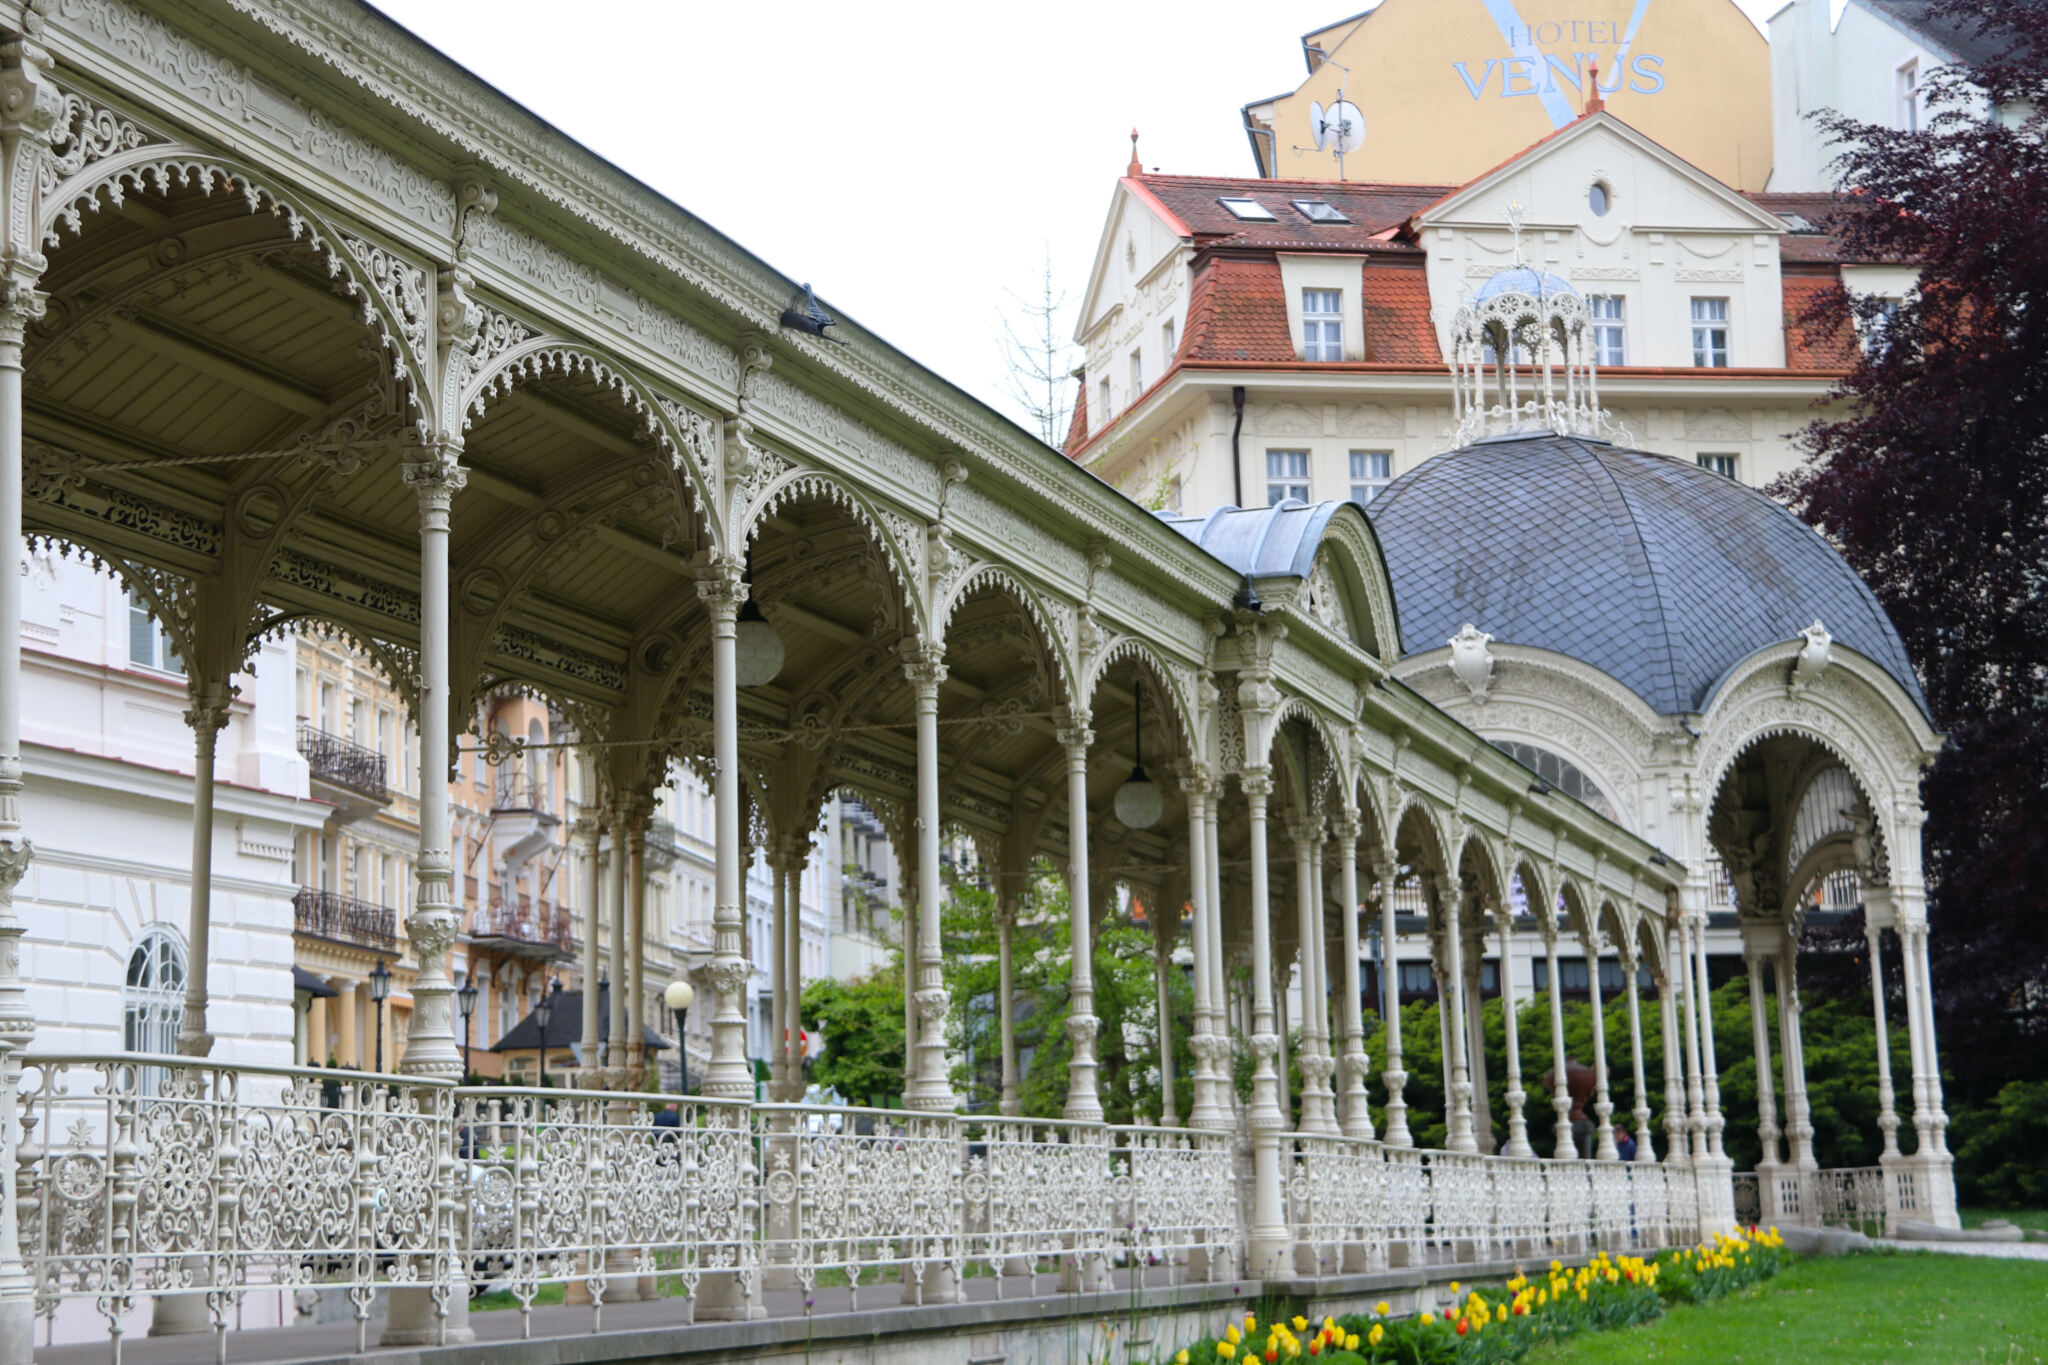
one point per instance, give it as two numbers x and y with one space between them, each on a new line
1260 542
1661 574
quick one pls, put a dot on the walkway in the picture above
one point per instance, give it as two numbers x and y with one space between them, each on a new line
2007 1251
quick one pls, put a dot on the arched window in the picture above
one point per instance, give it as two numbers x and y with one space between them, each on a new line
1560 773
153 1000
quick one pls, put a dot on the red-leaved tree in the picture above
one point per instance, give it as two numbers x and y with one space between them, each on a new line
1934 483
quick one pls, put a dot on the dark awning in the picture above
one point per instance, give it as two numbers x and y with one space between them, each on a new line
303 980
565 1027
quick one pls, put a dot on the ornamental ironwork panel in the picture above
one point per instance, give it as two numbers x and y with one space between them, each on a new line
343 762
344 919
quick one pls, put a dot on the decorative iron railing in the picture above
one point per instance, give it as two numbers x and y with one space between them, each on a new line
344 763
372 1183
517 791
1852 1197
520 920
344 919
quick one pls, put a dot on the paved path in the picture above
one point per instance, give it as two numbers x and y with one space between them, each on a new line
2008 1251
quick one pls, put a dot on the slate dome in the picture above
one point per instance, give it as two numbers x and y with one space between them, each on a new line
1659 573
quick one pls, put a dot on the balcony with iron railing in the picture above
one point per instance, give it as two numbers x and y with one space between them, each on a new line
343 763
344 919
519 927
518 792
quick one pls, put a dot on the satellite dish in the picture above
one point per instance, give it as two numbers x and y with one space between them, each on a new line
1339 129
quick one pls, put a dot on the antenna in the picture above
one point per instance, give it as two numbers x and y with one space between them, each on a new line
1339 128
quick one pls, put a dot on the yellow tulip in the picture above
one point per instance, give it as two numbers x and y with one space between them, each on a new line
1373 1337
1232 1333
1301 1324
1381 1308
1351 1341
1226 1350
1181 1359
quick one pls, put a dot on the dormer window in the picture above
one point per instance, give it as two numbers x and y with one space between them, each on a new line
1322 324
1317 211
1249 210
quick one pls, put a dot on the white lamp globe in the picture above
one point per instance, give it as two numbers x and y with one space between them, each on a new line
1139 802
758 649
680 995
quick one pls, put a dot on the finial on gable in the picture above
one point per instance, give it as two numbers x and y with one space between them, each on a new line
1135 168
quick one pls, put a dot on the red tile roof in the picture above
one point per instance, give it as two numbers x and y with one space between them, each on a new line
1237 310
1806 346
1077 426
1397 321
1371 210
1812 242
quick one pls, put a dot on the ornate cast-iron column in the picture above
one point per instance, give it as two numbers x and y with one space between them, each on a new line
589 891
1396 1079
728 1075
1271 1239
435 476
1518 1126
1887 1111
1603 1103
208 716
632 987
1165 930
28 107
1006 1008
1222 1065
1792 1053
1710 1074
1082 1100
1459 1137
929 1087
1357 1105
796 854
778 973
1316 1115
616 877
1206 1111
1695 1107
1646 1149
1675 1150
1766 1084
1566 1146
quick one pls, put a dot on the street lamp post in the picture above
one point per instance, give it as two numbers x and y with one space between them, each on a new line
380 991
466 999
543 1014
679 996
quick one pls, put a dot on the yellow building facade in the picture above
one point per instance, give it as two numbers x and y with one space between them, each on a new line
1446 89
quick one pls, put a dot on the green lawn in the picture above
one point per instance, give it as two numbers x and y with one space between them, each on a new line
1912 1308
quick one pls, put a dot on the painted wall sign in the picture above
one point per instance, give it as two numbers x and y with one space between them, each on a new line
1450 88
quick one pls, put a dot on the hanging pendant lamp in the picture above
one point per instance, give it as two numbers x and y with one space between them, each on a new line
1139 802
758 649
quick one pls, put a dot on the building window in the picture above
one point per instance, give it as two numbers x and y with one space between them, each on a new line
1322 324
1137 373
1102 404
1559 772
153 999
1286 476
1909 96
1248 210
1371 471
1710 333
1877 331
147 643
1167 344
1723 465
1417 979
1610 330
1598 199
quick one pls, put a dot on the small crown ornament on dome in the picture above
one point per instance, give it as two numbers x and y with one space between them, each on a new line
1522 356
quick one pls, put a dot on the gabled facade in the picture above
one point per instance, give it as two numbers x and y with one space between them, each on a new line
1299 350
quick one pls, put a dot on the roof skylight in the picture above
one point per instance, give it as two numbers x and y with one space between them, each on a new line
1798 223
1250 210
1319 211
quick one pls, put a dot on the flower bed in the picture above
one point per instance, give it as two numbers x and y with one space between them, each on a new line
1482 1328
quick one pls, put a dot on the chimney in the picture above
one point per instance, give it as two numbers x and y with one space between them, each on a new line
1594 104
1134 168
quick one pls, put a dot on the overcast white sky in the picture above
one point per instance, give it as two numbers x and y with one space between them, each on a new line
914 162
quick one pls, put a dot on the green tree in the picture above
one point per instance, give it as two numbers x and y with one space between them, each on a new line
861 1023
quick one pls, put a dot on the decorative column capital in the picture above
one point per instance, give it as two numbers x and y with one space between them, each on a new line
925 666
722 587
1256 783
1071 728
22 305
211 706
